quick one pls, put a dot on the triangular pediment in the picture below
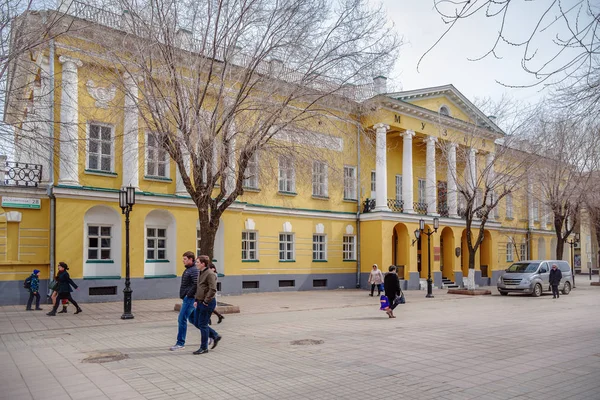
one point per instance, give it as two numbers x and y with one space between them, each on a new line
448 101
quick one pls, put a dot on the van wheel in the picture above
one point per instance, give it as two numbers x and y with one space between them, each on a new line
537 290
503 293
566 288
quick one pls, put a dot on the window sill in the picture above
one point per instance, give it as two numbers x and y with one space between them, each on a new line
350 200
349 260
509 219
316 197
251 190
157 261
287 193
319 261
250 261
99 262
287 261
159 276
157 179
96 278
100 173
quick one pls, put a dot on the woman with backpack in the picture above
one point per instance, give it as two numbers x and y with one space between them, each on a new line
63 287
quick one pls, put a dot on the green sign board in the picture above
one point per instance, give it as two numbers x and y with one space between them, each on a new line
21 202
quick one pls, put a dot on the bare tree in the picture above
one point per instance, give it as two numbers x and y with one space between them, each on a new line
592 203
218 83
566 155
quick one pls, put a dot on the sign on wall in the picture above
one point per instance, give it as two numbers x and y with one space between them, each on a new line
21 202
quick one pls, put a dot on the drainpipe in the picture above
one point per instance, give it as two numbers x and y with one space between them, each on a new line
358 206
50 190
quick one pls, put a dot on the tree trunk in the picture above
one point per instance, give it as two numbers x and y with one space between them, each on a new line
560 248
472 253
208 232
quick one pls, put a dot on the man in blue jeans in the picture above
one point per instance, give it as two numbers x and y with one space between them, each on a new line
205 304
187 292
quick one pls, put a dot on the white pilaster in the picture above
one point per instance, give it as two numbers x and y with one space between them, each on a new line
491 176
472 171
69 121
230 173
381 168
407 172
131 139
430 178
180 189
451 193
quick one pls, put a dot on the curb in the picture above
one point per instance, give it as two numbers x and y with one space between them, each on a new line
472 292
222 309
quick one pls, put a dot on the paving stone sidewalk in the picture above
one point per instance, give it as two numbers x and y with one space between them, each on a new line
449 347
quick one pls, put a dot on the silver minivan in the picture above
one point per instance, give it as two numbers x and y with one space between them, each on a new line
532 277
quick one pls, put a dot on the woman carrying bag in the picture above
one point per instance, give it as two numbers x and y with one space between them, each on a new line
391 286
64 283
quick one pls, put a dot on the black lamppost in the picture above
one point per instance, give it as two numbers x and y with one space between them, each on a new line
572 242
421 230
126 202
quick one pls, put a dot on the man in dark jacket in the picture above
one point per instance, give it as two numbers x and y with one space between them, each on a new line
34 290
187 292
555 277
206 303
391 286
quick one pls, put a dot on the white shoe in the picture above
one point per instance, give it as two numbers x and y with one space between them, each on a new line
177 347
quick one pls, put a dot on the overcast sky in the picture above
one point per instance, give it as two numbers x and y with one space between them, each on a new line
420 25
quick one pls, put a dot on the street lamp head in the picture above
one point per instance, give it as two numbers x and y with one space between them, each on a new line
436 223
577 238
417 234
130 195
422 224
123 199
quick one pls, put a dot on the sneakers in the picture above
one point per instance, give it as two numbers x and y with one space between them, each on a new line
177 347
216 341
201 351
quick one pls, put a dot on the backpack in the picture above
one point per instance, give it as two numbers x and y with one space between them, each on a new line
27 283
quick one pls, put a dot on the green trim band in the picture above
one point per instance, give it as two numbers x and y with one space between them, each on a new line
159 276
287 260
296 209
220 275
250 261
100 172
157 261
100 262
97 278
319 260
157 178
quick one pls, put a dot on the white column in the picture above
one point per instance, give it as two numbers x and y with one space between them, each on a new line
407 172
180 189
381 168
430 178
69 121
491 176
230 174
452 193
131 139
472 170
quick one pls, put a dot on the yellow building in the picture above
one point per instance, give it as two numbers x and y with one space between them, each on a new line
324 232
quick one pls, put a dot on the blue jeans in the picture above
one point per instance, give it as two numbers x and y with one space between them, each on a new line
187 308
203 314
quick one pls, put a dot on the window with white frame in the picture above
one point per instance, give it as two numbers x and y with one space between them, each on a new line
100 148
444 110
251 174
99 242
523 252
157 161
399 187
349 248
286 175
249 246
422 191
349 183
286 247
156 243
509 206
509 252
373 183
319 179
319 247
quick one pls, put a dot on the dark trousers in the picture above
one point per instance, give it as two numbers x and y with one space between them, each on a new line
37 300
378 288
64 295
202 317
555 290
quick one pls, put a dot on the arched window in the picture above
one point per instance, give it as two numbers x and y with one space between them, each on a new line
444 110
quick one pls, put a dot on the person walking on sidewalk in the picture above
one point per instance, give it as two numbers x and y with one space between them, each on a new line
64 283
213 268
375 279
34 290
187 292
205 304
554 279
391 285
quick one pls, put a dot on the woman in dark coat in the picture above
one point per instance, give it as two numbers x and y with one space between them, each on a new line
391 286
63 287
